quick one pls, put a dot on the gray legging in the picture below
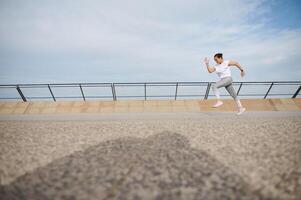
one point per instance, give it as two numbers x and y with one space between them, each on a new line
225 82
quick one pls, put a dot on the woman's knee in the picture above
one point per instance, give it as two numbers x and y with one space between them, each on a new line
213 86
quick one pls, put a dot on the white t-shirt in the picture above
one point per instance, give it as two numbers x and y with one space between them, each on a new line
223 70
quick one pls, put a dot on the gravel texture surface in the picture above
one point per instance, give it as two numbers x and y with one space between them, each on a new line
180 157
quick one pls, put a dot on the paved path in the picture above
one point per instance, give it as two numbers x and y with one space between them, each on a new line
166 156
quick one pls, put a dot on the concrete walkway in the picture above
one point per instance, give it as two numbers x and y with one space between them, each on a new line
166 155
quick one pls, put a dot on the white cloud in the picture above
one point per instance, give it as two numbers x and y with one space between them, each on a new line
145 37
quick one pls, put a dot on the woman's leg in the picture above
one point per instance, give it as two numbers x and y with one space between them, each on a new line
221 83
215 91
232 92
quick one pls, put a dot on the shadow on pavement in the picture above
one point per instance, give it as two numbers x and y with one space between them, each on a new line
162 166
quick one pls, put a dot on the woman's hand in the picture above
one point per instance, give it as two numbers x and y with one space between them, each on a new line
242 73
210 69
206 60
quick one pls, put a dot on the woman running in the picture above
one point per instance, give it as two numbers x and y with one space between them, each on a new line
222 68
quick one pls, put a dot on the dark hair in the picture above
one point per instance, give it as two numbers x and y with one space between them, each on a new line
219 55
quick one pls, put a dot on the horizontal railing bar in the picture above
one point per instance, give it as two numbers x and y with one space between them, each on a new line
82 97
166 84
97 97
264 94
116 85
8 86
210 81
24 84
69 97
142 85
39 97
158 82
278 94
121 83
86 86
10 98
92 97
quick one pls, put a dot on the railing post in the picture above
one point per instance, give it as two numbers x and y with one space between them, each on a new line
239 88
297 92
176 91
144 91
51 93
21 94
207 90
81 89
113 91
269 90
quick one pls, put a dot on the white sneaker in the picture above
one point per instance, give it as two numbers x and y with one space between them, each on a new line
241 110
217 104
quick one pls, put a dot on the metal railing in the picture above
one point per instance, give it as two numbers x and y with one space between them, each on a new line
145 85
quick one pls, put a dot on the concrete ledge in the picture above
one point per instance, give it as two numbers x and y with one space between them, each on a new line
141 106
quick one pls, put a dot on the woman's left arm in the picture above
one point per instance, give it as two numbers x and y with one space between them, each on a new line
236 64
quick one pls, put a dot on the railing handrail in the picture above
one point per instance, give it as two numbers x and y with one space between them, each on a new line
150 82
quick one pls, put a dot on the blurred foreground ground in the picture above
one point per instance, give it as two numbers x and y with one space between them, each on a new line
207 155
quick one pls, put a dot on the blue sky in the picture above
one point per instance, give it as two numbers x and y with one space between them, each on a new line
133 40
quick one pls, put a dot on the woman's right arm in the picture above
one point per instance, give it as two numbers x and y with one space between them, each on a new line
236 64
210 69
